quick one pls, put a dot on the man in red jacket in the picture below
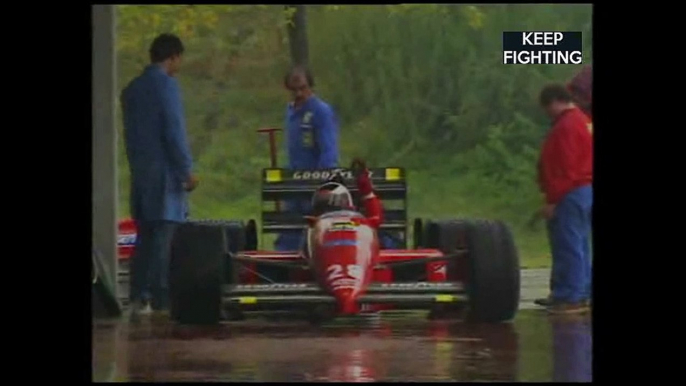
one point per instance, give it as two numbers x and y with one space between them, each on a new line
566 178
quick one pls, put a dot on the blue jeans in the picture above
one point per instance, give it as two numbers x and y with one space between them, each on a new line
150 263
569 232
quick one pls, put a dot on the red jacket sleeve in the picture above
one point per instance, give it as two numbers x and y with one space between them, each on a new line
567 157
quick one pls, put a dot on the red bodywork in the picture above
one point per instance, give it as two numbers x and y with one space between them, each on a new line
126 239
343 252
345 259
374 271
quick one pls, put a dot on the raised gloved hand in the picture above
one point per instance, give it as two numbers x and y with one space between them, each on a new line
364 182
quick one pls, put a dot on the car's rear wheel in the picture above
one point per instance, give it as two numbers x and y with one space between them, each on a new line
199 267
251 240
490 268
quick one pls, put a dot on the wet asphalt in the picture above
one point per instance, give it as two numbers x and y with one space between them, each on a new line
393 346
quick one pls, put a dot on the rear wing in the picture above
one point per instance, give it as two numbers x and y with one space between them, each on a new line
280 185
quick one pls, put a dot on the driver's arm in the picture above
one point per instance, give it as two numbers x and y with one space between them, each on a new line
374 210
371 202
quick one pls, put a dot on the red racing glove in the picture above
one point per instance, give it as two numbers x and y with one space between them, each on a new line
364 183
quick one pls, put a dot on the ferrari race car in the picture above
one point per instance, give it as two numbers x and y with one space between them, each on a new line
217 270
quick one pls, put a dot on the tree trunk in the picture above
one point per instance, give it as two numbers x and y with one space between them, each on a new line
297 36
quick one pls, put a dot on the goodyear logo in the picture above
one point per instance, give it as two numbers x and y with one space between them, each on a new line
321 174
418 285
274 286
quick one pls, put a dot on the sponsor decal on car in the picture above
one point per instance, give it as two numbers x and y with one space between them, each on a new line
274 286
442 268
340 243
343 283
343 226
336 270
340 277
126 239
323 174
417 285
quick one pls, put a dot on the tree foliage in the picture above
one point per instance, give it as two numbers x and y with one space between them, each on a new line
418 85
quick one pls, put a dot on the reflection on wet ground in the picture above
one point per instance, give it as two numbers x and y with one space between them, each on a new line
393 347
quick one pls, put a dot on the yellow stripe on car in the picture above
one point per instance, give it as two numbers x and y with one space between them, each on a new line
274 175
445 298
247 300
392 174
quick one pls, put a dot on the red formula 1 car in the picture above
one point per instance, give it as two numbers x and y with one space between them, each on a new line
218 271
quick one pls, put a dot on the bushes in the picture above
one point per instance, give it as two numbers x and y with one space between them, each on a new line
419 86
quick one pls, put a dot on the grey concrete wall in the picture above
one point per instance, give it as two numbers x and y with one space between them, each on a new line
105 140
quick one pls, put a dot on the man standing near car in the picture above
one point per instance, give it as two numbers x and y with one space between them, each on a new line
160 164
566 178
311 139
581 89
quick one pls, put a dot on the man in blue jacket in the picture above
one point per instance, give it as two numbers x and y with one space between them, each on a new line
160 164
311 139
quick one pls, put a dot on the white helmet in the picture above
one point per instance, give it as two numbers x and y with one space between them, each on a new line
330 197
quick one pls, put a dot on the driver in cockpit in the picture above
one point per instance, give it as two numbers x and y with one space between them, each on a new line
334 196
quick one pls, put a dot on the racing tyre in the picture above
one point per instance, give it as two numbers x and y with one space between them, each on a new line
494 272
236 232
197 272
490 269
237 239
251 236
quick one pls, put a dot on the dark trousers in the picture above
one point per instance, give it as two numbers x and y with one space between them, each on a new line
569 232
150 263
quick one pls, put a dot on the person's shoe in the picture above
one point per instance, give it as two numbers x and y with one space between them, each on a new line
139 309
544 302
146 310
565 308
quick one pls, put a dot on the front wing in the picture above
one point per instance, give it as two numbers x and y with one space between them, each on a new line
286 295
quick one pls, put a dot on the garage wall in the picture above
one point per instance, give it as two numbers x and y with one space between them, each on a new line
104 200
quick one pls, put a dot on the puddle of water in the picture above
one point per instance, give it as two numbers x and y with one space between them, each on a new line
395 347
